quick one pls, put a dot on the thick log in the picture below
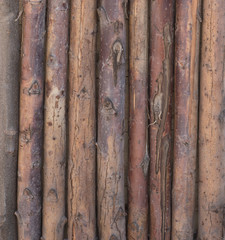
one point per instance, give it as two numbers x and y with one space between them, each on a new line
31 121
161 100
53 220
9 93
82 122
138 144
111 113
186 117
212 124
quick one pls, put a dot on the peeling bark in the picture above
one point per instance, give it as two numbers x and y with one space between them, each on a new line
9 88
212 128
186 117
31 121
82 122
138 154
55 123
161 89
111 113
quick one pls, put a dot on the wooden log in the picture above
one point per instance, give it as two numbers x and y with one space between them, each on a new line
111 113
138 144
212 124
161 100
9 93
82 122
186 117
31 121
53 220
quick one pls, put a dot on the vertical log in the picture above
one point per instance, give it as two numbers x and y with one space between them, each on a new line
55 123
111 112
82 123
212 123
31 121
161 89
9 89
138 154
186 117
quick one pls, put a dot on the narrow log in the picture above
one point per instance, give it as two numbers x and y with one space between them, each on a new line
111 113
53 220
138 146
186 117
9 93
161 99
82 122
31 121
212 123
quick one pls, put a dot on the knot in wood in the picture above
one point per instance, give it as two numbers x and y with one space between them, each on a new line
108 106
118 51
35 1
113 237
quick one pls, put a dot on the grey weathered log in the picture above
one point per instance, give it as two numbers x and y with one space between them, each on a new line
111 119
9 82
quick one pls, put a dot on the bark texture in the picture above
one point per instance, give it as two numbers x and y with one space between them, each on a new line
111 123
186 117
55 123
161 99
138 146
31 121
212 123
82 122
9 86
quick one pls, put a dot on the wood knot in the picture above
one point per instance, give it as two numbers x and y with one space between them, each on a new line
108 107
34 89
35 1
118 27
28 194
52 195
26 135
113 237
103 16
117 50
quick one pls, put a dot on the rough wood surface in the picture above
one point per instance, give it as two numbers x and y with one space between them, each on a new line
82 122
161 100
111 113
53 220
212 123
188 18
31 121
9 92
138 134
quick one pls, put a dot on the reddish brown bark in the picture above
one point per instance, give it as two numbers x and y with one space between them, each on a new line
138 154
54 219
9 93
186 117
161 89
82 122
31 121
111 113
212 123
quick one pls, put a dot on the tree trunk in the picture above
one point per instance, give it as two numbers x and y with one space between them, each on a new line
31 121
82 122
212 123
9 86
186 117
161 99
111 113
55 123
138 154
